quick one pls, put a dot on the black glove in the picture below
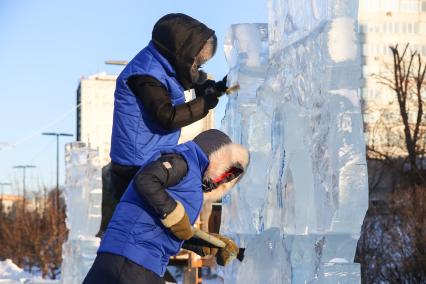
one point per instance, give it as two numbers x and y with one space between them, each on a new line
211 91
221 85
211 86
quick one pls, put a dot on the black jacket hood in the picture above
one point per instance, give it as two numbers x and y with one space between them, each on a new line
179 38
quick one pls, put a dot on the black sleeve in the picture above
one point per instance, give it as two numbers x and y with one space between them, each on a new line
155 98
153 180
194 248
196 245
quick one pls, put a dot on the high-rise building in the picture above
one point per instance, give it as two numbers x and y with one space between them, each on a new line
95 97
385 23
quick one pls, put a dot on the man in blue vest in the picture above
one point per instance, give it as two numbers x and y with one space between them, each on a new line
149 101
156 213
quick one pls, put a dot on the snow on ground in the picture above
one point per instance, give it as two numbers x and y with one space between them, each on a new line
11 273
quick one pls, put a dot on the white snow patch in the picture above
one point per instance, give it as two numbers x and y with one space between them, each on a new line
11 273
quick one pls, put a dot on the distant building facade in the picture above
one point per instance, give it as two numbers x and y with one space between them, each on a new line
95 98
9 200
385 23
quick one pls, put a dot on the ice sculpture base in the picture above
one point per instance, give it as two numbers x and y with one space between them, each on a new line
79 256
272 257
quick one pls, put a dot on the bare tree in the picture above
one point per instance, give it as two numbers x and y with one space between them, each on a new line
33 238
392 243
407 81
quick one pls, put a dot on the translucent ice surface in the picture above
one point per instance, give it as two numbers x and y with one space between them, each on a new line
300 207
83 195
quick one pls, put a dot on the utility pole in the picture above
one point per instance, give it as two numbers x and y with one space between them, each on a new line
24 169
57 162
2 185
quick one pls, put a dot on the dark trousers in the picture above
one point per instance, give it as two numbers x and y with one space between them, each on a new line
114 269
121 176
115 180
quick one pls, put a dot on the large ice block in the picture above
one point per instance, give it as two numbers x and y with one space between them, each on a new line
83 195
300 207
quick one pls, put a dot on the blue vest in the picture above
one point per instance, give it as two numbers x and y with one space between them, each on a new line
137 233
135 133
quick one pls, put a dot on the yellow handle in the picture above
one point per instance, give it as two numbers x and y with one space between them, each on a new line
232 89
208 238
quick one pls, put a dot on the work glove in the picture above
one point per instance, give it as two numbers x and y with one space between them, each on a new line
211 87
223 255
211 90
210 251
178 223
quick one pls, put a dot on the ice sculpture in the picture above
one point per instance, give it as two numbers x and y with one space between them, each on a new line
300 207
83 195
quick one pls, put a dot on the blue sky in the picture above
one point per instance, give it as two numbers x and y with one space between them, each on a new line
47 45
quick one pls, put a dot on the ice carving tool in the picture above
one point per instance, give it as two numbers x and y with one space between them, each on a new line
216 242
232 89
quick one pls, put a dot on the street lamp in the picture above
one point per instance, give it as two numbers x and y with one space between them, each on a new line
57 151
24 168
2 185
57 161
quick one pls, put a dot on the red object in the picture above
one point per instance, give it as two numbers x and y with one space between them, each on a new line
232 172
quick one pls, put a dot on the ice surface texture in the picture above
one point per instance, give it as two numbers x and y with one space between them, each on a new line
83 200
300 207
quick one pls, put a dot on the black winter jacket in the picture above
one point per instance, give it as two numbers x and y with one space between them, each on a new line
156 100
151 184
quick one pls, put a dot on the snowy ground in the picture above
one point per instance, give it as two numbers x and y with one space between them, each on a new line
10 273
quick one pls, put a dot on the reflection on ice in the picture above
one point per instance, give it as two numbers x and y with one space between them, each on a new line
300 207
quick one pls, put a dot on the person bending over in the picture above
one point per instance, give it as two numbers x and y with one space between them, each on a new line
157 211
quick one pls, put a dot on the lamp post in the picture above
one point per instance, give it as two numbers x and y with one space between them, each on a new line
2 185
57 161
24 170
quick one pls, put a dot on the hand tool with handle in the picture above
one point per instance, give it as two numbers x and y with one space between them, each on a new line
215 241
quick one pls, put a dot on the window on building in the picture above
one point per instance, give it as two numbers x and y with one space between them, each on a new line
410 28
385 27
404 27
371 6
422 28
390 6
409 6
365 50
416 28
396 27
390 27
424 6
385 49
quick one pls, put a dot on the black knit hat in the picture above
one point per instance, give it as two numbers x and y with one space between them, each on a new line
211 140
